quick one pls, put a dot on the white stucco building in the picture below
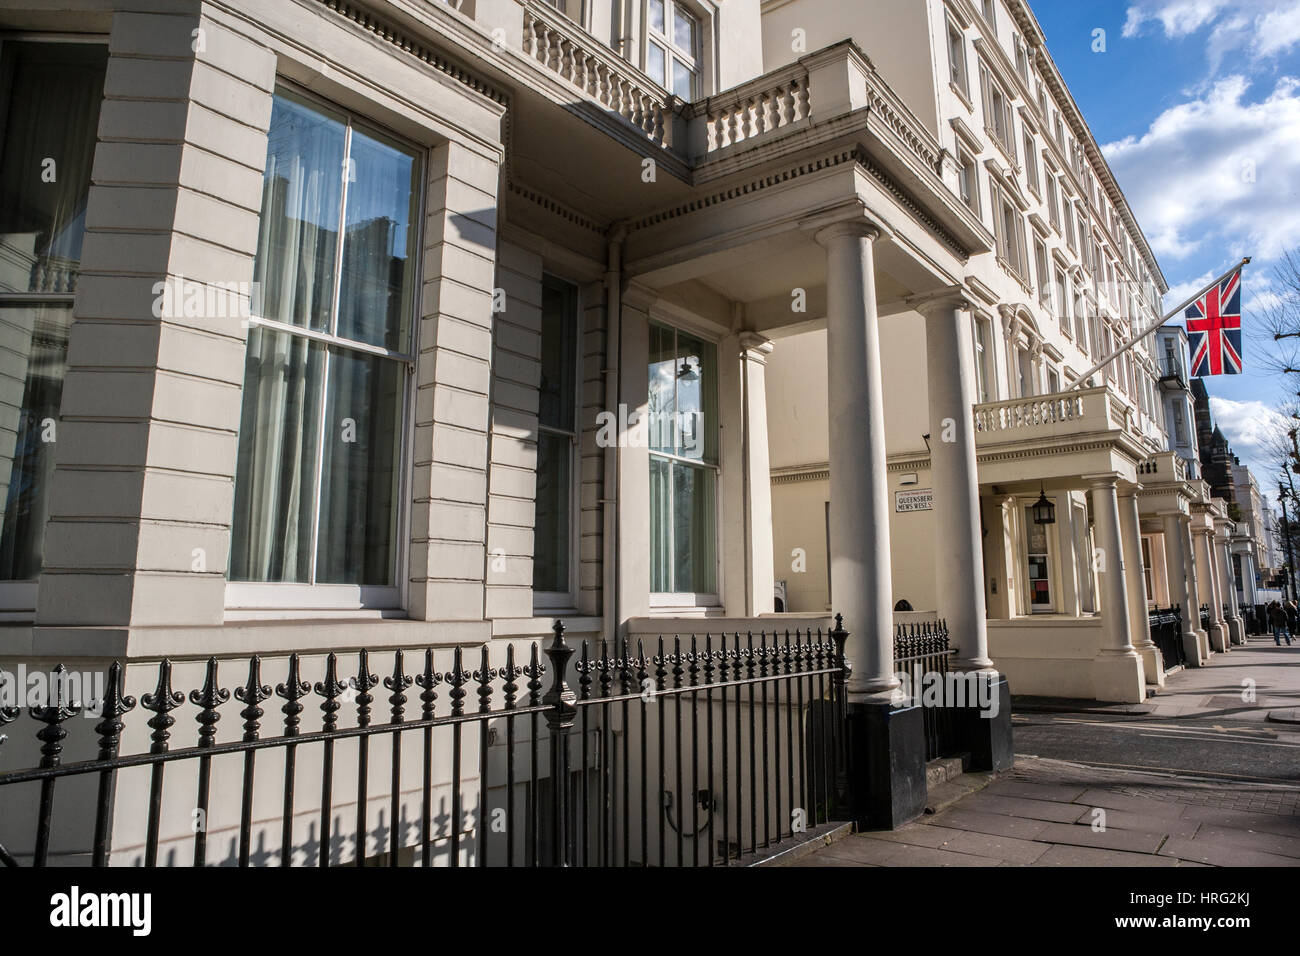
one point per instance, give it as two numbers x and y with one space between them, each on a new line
413 324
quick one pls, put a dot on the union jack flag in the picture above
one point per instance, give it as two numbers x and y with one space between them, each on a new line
1214 329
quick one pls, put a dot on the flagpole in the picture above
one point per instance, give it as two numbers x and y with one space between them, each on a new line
1079 379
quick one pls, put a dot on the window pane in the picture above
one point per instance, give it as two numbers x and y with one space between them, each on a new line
694 560
697 413
655 63
49 110
33 357
663 390
657 15
559 355
661 526
359 475
379 244
301 195
552 524
685 28
275 476
683 80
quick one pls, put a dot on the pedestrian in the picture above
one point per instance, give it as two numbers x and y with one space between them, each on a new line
1292 618
1278 621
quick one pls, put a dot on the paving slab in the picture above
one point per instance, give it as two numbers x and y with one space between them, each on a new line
1110 800
1132 841
913 835
1221 852
1021 807
995 824
925 856
1007 849
1244 820
1055 792
859 849
1150 823
1060 855
1266 842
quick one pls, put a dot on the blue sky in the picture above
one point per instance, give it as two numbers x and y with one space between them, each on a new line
1197 106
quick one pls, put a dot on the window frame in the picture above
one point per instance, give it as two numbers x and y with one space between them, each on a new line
968 180
1011 248
1042 270
982 346
568 599
18 598
256 598
960 64
999 117
693 61
1061 292
1031 162
691 599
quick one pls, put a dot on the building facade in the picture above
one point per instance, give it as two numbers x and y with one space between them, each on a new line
419 325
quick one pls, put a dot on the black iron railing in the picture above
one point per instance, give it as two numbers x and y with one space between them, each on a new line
1166 625
922 660
1205 617
706 751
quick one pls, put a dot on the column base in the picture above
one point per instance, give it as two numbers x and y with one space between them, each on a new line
886 754
1218 638
986 734
1236 631
1192 648
1203 638
1153 664
1119 677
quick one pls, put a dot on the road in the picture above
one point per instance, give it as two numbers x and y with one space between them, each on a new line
1208 747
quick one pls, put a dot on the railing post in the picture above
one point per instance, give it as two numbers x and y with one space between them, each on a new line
110 727
560 715
843 799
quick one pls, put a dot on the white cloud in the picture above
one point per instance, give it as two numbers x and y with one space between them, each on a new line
1279 30
1218 171
1251 428
1185 290
1178 17
1255 30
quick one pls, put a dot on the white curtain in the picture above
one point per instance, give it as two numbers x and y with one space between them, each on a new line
276 474
279 432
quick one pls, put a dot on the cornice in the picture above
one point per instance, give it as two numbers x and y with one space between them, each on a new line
404 41
555 208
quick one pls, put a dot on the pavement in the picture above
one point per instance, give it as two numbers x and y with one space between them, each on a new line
1199 776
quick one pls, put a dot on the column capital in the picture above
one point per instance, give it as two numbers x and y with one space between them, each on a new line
755 347
856 227
1101 482
957 298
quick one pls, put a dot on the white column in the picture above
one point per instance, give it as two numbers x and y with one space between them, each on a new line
1236 633
1118 670
1135 581
1181 591
861 583
1213 594
1071 588
758 475
958 546
1197 588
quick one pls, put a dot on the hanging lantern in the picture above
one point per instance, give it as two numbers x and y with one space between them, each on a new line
1044 511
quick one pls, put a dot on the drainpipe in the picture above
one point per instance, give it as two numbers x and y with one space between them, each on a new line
613 387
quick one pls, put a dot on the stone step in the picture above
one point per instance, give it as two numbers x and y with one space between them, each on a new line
941 770
949 792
